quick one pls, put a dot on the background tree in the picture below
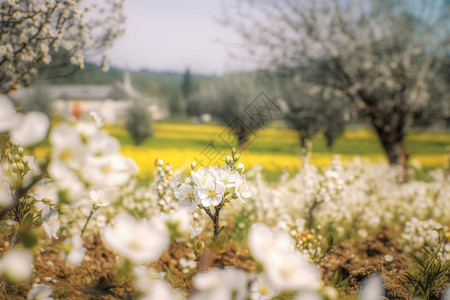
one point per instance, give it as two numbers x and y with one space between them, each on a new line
225 99
384 56
138 122
307 108
187 86
32 32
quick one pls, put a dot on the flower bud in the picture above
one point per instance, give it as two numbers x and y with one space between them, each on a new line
228 160
20 149
159 162
14 167
48 201
16 157
193 165
64 209
236 157
240 167
20 166
233 151
10 158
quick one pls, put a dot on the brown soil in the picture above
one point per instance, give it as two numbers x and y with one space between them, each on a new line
93 279
356 262
96 277
211 258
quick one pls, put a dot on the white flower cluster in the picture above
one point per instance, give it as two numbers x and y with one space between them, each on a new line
285 267
84 159
210 187
164 186
33 30
353 198
24 130
418 234
140 241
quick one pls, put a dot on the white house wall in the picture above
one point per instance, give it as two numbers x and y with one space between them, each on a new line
112 111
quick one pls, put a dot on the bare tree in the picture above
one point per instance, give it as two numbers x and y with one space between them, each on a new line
307 109
32 31
383 55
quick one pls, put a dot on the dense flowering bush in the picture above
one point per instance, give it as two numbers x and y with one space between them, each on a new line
86 187
35 31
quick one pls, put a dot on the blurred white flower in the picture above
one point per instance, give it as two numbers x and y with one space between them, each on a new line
9 119
182 220
77 252
144 276
161 290
101 144
32 129
261 240
99 198
87 129
310 295
261 289
140 241
187 264
446 294
372 288
286 268
34 169
44 189
16 266
67 147
66 180
291 271
152 285
221 284
110 171
40 292
196 231
6 197
51 225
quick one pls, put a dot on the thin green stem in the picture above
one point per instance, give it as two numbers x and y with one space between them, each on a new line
87 220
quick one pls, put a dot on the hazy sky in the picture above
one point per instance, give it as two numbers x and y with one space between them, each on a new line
170 35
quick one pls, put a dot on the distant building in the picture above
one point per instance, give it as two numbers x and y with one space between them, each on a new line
109 101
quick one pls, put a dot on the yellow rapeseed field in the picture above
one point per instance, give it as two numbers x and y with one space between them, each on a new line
180 157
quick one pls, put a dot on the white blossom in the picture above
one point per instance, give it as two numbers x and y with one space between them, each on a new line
16 265
187 197
51 225
372 288
140 241
99 198
77 251
40 291
211 193
229 283
286 268
242 189
9 119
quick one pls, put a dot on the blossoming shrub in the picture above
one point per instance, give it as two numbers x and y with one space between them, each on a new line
85 187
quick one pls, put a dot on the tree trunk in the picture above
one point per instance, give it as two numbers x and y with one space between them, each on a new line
242 140
392 143
303 140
